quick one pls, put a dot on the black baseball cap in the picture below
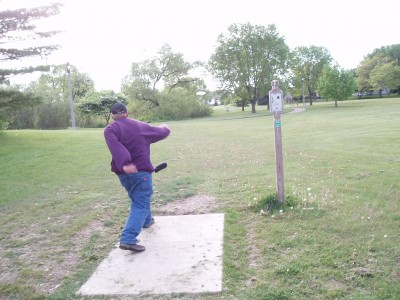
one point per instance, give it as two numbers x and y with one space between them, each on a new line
118 108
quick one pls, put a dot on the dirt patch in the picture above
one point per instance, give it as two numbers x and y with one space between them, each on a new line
42 259
297 110
254 251
195 205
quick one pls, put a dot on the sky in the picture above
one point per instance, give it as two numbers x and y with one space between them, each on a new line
104 37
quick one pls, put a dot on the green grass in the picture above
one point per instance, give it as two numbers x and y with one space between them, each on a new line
62 208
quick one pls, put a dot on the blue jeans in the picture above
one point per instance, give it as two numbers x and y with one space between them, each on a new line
140 189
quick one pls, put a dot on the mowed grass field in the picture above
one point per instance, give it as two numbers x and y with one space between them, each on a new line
338 237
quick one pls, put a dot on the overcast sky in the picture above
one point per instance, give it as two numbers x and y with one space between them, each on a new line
103 37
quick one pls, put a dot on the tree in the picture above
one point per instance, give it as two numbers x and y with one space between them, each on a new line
336 83
100 103
56 80
181 103
12 24
380 70
247 59
52 88
365 69
307 64
385 77
167 71
12 100
391 51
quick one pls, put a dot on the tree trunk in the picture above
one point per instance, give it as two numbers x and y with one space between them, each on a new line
253 107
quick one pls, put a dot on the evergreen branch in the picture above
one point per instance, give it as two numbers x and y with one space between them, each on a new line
15 54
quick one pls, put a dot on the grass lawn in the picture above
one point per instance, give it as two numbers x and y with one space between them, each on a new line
337 237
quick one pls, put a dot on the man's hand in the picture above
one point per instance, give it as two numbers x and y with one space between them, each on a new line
130 169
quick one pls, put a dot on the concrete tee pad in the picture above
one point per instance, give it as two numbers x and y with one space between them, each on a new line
183 255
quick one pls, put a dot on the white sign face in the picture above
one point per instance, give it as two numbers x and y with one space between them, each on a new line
276 101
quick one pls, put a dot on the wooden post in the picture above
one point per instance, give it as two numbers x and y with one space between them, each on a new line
279 158
276 107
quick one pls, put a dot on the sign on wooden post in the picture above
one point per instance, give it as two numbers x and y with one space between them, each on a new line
276 107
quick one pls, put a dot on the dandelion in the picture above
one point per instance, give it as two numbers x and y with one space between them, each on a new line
385 236
308 189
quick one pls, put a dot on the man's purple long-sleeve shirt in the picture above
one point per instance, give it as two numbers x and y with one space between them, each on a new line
129 142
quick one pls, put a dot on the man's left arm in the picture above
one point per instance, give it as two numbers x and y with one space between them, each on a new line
156 133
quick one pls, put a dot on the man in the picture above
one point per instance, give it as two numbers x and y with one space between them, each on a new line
129 143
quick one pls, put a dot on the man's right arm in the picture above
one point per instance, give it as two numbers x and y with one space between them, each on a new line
130 169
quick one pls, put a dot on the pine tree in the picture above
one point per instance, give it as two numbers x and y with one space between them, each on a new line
18 25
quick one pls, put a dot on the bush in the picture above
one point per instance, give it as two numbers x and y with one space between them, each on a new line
263 100
3 125
238 103
178 105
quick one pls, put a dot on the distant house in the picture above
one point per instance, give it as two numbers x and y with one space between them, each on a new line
373 93
289 98
213 102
